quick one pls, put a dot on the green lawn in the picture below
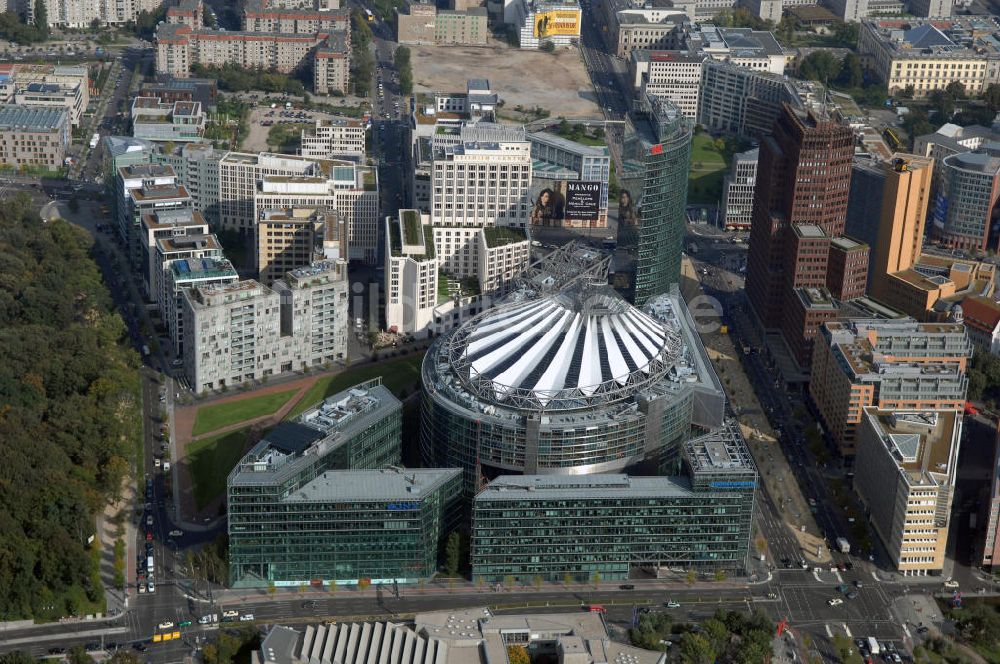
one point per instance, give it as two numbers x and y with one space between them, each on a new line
708 168
211 460
397 374
214 417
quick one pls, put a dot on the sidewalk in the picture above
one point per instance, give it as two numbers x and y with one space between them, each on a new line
775 472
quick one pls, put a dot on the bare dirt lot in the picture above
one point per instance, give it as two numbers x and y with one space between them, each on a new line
557 82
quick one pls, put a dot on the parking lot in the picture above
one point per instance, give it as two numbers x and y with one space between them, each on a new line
264 118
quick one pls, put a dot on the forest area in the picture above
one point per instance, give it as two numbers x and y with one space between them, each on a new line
69 414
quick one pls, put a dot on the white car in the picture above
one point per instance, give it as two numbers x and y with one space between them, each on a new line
176 533
166 624
671 604
246 617
836 601
950 583
150 587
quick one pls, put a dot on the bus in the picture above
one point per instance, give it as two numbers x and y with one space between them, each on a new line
369 16
892 139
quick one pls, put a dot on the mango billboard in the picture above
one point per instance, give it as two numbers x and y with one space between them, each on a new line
557 22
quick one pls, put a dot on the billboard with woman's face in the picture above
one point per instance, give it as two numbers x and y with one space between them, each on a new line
566 202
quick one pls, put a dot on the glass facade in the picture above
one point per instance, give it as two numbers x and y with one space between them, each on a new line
334 537
652 199
275 537
614 531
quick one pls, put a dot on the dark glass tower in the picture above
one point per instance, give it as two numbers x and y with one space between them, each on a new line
652 198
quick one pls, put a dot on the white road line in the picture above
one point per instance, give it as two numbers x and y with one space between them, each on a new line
839 578
848 630
816 576
829 632
906 630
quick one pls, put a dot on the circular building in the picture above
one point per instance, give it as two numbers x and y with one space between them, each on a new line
574 380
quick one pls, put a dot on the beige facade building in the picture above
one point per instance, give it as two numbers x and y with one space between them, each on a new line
905 196
66 87
673 75
411 274
928 55
33 137
905 476
425 24
296 237
335 138
263 16
332 65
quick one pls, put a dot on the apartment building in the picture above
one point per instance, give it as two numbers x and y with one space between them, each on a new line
335 138
890 365
905 476
674 75
140 189
738 191
926 55
65 87
264 16
177 122
295 237
239 173
172 248
179 47
426 24
160 224
349 189
185 274
411 273
244 330
197 168
314 310
81 14
33 137
332 64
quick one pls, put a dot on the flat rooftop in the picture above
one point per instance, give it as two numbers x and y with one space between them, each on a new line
722 451
291 446
920 442
31 118
402 485
582 487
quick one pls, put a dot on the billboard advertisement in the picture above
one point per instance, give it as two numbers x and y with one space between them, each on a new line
566 203
558 22
583 201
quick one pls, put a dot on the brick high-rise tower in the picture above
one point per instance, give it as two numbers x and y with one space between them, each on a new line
800 204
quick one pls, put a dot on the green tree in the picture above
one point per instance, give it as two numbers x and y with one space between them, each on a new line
509 581
538 581
955 90
850 75
452 553
17 657
720 575
717 634
691 575
980 625
78 655
568 579
517 655
549 47
819 66
943 103
992 97
595 578
695 649
124 656
42 19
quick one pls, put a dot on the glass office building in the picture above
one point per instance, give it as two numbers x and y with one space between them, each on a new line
618 526
276 535
652 199
564 376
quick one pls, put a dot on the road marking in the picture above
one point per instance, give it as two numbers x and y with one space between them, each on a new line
816 576
906 630
839 578
848 630
829 632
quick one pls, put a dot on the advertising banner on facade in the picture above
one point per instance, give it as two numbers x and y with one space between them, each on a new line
565 22
583 201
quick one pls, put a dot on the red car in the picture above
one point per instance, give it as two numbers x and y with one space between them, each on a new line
149 536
